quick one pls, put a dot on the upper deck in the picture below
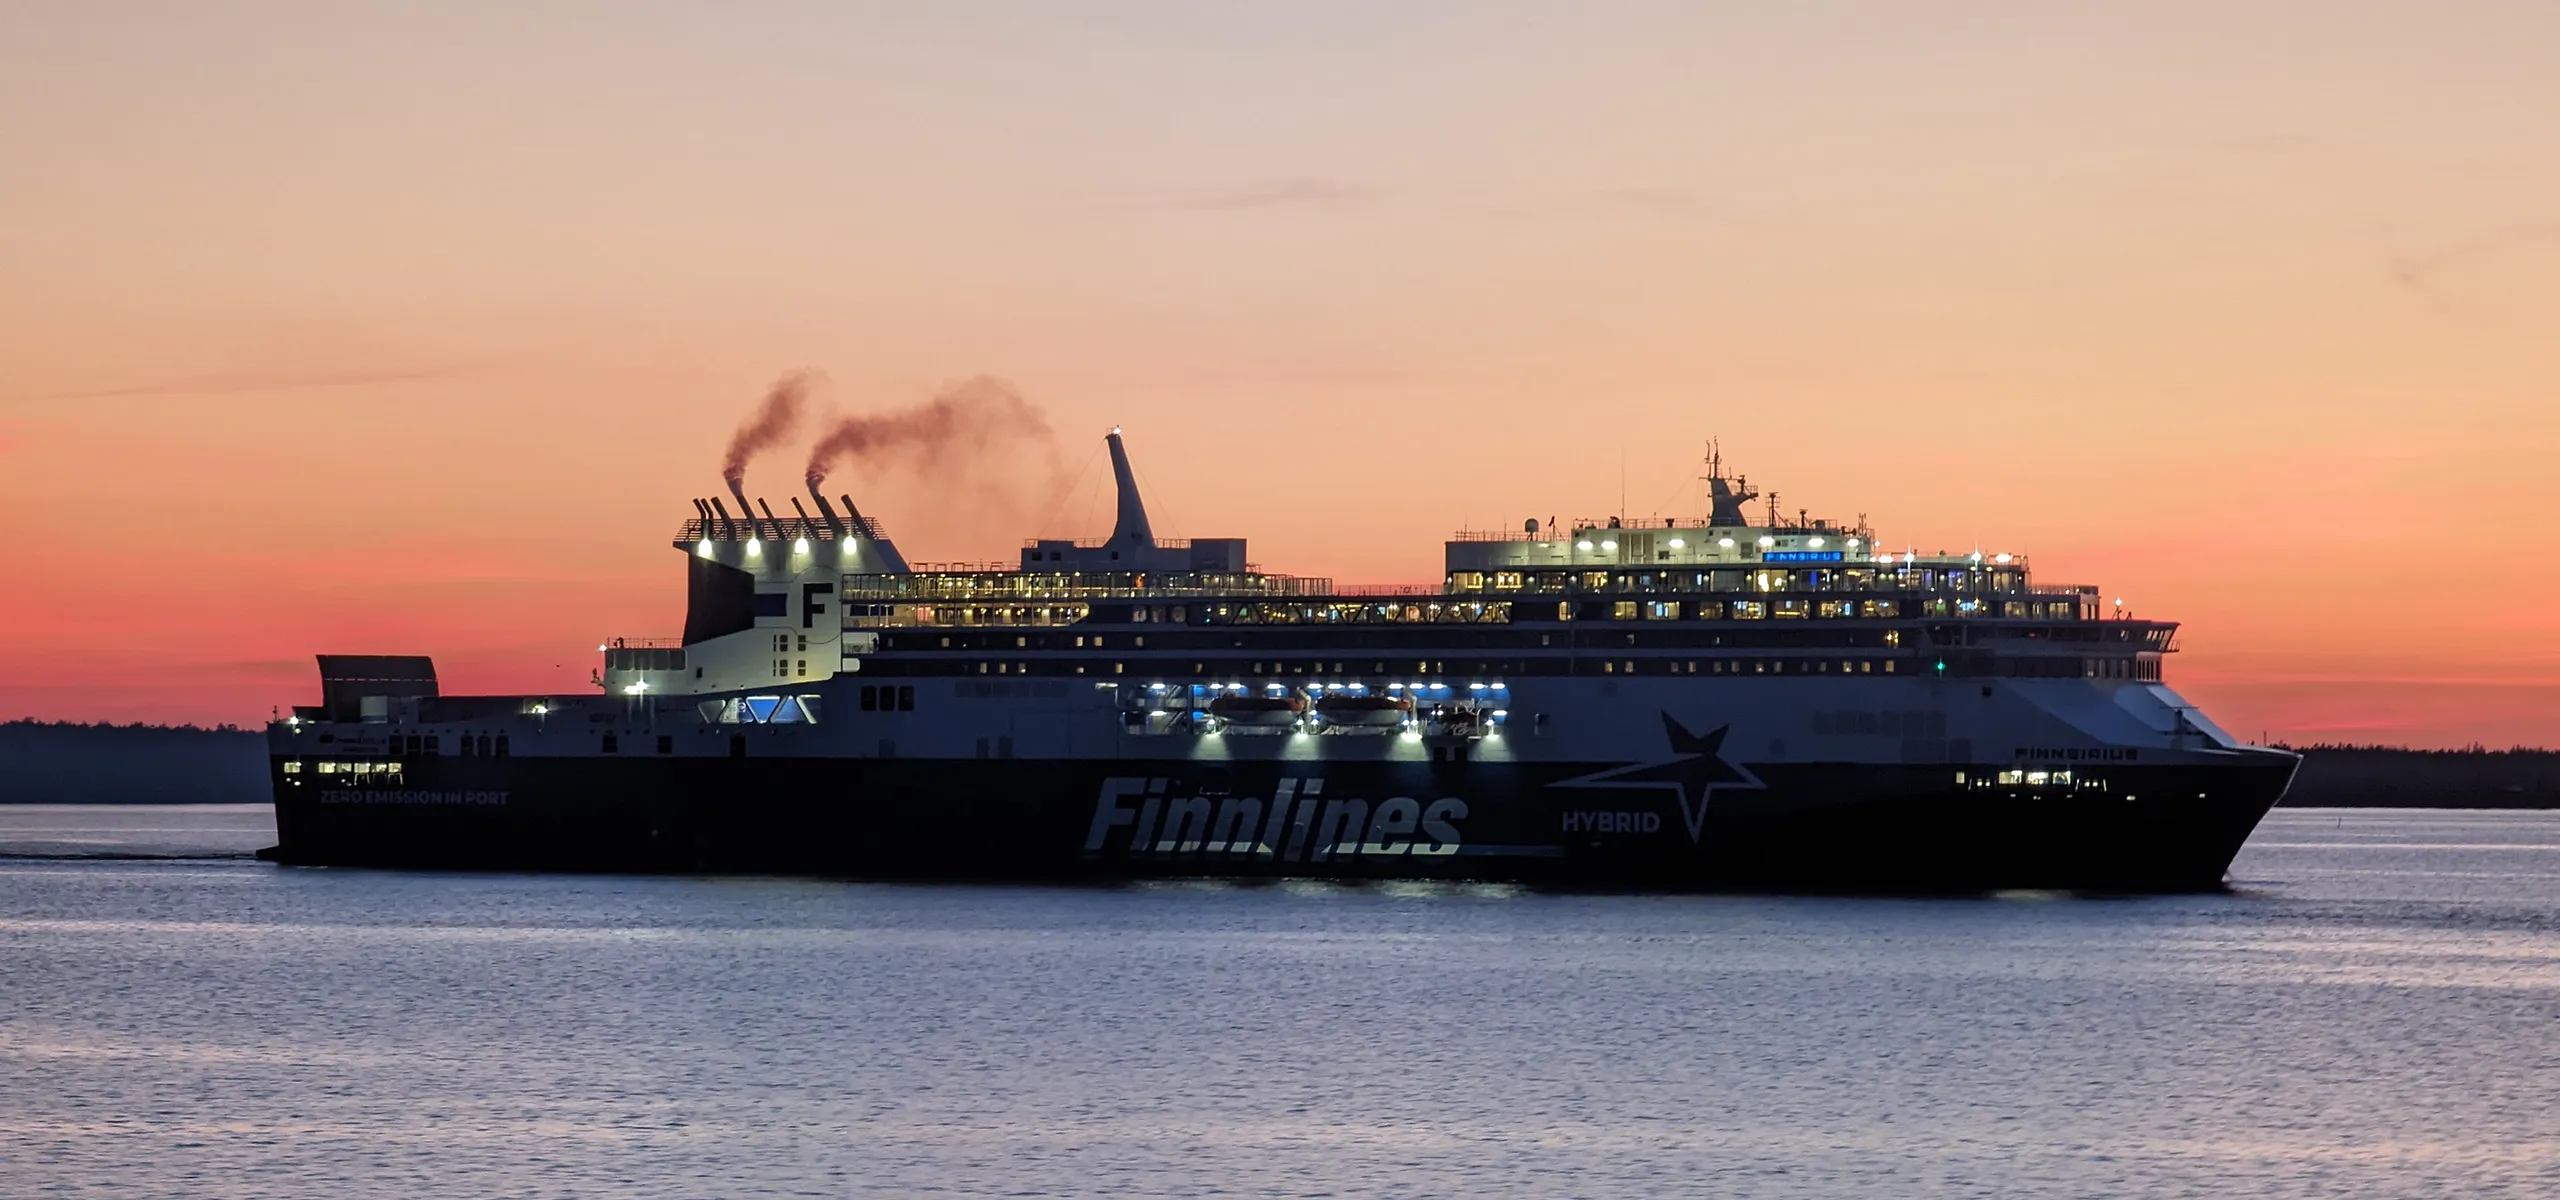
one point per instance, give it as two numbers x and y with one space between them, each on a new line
804 597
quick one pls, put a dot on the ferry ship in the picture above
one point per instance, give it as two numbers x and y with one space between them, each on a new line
1712 703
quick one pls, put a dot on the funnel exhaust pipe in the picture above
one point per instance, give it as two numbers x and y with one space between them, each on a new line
826 510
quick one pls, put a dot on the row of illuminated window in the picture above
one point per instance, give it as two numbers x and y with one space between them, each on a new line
1554 666
1389 612
869 615
993 585
2025 777
1753 666
1780 608
2056 666
1747 579
294 767
1798 608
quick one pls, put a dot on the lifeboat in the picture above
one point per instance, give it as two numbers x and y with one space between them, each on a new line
1364 710
1258 710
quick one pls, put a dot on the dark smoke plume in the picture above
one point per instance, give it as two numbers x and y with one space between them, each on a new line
961 419
775 420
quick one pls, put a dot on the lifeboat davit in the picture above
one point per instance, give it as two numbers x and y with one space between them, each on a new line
1258 710
1364 710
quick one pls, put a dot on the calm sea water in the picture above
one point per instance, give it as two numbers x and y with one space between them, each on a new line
2375 1012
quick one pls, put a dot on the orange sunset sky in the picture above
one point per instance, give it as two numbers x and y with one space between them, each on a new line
411 328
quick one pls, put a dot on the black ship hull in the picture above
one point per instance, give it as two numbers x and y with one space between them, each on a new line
1776 826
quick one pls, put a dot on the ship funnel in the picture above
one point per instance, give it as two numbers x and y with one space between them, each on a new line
728 527
1131 527
773 528
826 510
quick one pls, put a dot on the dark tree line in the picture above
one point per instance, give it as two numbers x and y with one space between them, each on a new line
66 763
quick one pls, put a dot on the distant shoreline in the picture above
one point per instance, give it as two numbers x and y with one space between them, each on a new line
64 763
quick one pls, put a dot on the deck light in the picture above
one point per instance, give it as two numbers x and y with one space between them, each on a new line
1725 543
1853 543
1678 544
800 547
703 547
1766 541
1816 543
2000 557
755 547
1611 545
1584 544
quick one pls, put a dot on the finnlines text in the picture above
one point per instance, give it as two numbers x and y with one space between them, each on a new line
1297 824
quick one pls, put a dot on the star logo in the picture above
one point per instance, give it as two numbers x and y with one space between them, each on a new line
1693 770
